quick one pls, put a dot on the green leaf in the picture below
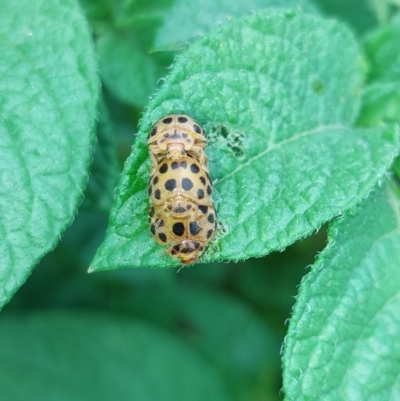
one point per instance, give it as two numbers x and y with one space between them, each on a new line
359 14
382 48
81 356
129 66
199 18
105 170
381 104
106 15
99 13
277 104
342 342
226 331
272 281
129 71
396 167
48 98
381 100
384 8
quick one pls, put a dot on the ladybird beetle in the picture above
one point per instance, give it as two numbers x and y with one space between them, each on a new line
182 213
180 180
188 236
175 136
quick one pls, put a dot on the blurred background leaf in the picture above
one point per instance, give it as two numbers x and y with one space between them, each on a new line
124 32
384 9
360 15
105 168
381 102
91 356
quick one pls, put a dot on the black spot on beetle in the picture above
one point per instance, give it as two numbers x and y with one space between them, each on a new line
153 131
160 223
157 194
170 184
182 119
153 229
189 206
211 218
184 164
196 129
164 168
174 165
151 213
209 190
178 229
200 193
194 168
175 135
150 190
187 184
203 180
194 228
210 233
203 209
155 180
167 120
162 237
179 209
185 135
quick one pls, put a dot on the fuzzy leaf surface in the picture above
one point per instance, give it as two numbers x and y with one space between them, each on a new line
277 104
48 99
342 342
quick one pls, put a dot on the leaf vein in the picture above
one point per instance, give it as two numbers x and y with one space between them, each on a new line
279 145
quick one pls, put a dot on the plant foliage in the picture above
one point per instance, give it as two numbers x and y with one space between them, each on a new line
300 100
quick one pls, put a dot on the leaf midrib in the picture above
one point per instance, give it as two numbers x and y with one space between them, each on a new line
279 145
